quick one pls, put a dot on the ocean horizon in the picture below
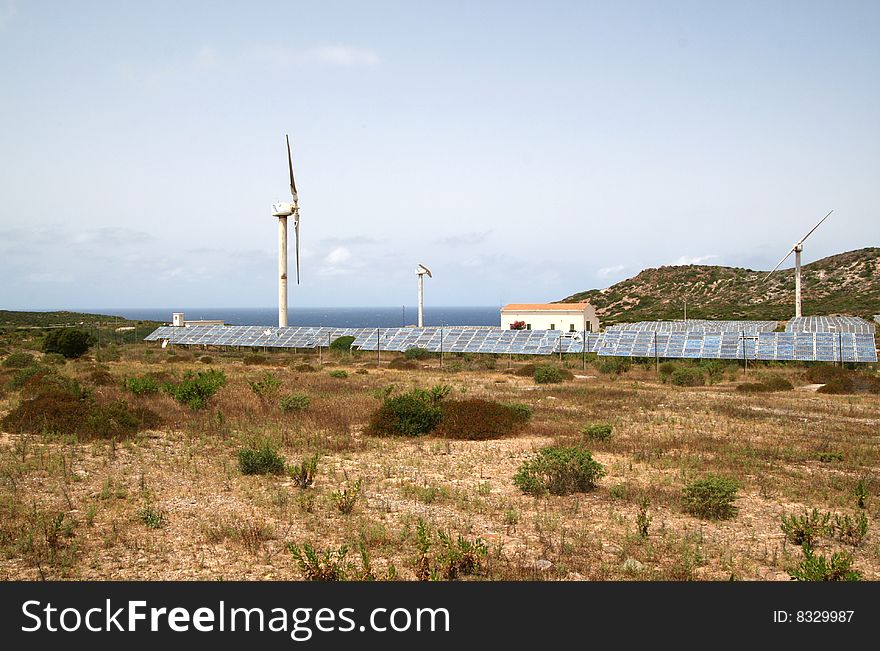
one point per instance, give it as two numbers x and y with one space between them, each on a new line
341 317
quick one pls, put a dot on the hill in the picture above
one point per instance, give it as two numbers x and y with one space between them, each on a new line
846 283
46 319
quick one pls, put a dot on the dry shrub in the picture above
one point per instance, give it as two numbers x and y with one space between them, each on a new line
255 360
62 412
853 383
401 363
101 377
477 419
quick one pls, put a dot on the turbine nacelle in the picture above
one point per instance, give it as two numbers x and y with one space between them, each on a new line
283 209
421 270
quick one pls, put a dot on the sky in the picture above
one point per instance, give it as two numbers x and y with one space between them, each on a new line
523 151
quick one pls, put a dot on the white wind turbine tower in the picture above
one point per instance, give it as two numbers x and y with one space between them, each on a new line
421 270
796 249
282 211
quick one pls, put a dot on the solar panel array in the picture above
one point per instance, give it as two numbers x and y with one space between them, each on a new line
829 324
801 346
695 325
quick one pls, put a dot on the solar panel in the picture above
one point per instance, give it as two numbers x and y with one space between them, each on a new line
852 324
696 325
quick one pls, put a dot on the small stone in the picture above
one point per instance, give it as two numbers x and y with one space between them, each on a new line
542 565
632 565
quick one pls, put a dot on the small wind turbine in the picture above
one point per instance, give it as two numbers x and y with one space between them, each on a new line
421 270
796 249
282 211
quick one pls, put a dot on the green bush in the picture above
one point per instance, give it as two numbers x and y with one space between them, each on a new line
196 388
416 353
547 374
714 370
54 358
342 344
559 471
101 377
261 460
597 431
338 373
806 528
303 474
820 568
711 497
347 497
141 386
612 365
687 376
304 368
206 359
408 414
255 359
70 342
522 411
266 386
666 370
477 420
19 360
294 402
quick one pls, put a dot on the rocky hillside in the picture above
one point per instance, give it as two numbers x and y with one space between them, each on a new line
847 283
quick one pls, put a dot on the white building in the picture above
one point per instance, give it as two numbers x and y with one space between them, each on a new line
569 317
178 320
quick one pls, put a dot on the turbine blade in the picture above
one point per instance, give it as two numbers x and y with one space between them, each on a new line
814 227
290 167
296 233
780 263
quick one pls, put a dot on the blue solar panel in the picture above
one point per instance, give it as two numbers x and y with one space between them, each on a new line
852 324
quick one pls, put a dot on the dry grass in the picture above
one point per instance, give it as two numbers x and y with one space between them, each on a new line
70 509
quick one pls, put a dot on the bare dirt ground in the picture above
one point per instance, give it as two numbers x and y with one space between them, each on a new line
82 510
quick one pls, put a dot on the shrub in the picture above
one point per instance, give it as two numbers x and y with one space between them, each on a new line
33 375
526 370
819 568
768 384
294 402
851 530
56 411
19 360
829 456
711 497
400 364
714 370
612 365
861 493
54 358
408 414
547 374
560 471
196 388
521 411
152 517
459 556
304 368
206 359
255 359
416 353
262 460
806 528
597 431
477 419
853 383
323 566
347 497
342 344
70 342
687 376
266 386
101 377
303 474
666 370
338 373
141 386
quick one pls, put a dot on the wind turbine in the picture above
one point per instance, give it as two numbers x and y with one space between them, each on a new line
796 249
421 270
282 211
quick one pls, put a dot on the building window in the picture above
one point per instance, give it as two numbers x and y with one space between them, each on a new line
571 328
528 326
589 326
553 326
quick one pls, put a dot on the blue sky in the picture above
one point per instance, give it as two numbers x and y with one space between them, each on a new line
523 151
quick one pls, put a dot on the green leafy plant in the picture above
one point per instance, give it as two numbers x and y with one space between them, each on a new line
338 373
303 474
851 531
329 565
687 376
861 493
416 353
70 342
820 568
260 460
643 520
520 411
342 344
141 385
559 471
294 402
711 497
547 374
152 517
19 360
265 387
805 529
196 388
347 497
597 431
460 556
612 365
408 414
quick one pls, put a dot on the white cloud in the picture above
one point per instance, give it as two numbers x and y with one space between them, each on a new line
699 259
605 272
338 255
